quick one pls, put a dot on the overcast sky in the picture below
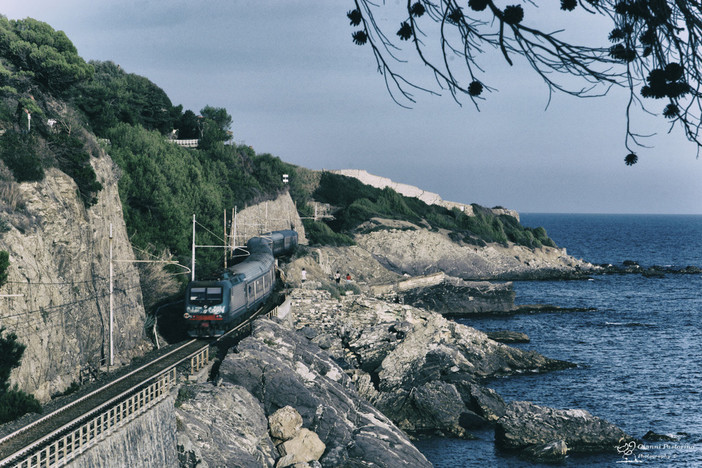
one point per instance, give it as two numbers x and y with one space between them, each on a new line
298 88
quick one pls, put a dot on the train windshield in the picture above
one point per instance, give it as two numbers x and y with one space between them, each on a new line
206 296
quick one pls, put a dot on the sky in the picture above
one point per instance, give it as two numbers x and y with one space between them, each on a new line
297 87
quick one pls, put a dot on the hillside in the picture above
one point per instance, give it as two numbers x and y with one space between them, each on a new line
87 145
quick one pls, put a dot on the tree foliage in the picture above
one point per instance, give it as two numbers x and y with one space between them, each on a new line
19 152
49 55
653 49
13 403
163 185
114 96
73 159
4 265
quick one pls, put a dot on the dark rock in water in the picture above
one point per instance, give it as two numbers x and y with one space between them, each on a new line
440 409
654 437
456 297
484 401
691 270
654 271
537 308
525 425
506 336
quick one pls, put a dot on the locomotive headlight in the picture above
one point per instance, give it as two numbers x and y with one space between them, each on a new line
186 316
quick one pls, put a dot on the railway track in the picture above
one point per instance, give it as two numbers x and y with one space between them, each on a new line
61 435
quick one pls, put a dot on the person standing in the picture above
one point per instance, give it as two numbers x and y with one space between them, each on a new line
337 277
303 275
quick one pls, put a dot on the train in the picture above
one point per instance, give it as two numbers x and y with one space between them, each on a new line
213 307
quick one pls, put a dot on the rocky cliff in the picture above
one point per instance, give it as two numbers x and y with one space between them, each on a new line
273 215
419 251
59 272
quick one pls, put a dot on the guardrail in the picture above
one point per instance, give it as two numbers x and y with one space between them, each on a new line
66 443
68 446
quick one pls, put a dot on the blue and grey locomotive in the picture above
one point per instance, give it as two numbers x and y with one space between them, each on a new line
213 307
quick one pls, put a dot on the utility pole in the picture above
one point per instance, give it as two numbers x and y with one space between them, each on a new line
112 349
192 262
225 239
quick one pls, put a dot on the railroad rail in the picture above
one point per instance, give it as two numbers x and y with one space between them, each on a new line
60 436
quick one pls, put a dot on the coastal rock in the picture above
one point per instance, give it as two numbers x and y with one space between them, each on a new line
285 423
506 336
304 447
455 297
525 425
422 252
552 452
281 368
418 368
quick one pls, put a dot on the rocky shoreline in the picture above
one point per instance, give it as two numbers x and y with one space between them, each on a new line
371 364
366 377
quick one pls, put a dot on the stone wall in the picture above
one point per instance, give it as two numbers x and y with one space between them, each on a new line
148 441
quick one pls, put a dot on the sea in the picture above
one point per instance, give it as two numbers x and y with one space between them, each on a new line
638 353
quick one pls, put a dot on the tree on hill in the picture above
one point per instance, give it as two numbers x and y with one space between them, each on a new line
49 55
114 96
653 49
216 127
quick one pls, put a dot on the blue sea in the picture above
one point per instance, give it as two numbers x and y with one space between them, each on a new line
638 355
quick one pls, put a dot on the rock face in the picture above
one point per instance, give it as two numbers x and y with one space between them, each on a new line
546 430
222 426
422 252
280 368
420 369
271 215
59 264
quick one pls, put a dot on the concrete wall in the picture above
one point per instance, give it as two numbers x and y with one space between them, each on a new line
148 441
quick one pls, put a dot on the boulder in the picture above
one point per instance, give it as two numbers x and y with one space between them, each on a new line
526 425
285 423
303 448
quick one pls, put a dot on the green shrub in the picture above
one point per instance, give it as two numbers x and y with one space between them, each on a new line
18 151
319 233
4 265
15 403
75 162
